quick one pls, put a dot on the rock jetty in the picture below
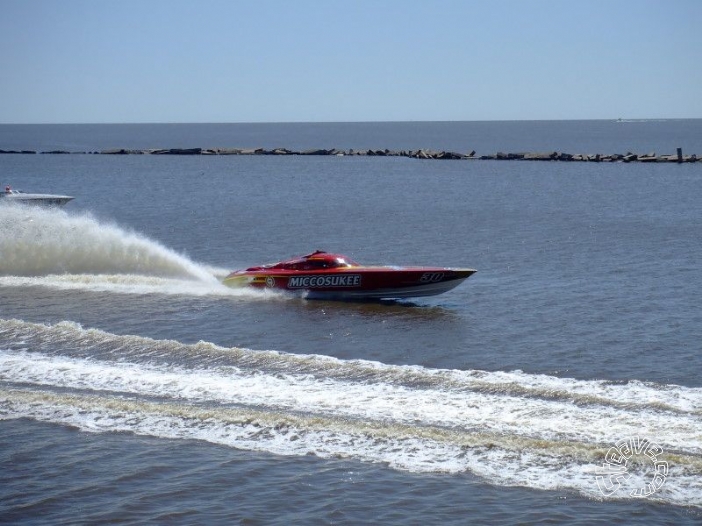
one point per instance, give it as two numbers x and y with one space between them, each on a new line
628 157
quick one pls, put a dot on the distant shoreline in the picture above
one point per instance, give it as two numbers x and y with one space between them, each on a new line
651 157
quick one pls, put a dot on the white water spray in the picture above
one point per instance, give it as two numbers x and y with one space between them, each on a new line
41 242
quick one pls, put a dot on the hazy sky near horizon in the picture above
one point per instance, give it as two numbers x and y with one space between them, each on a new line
88 61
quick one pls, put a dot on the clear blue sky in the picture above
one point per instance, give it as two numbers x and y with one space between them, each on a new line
364 60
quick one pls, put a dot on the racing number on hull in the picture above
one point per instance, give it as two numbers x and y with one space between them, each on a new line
431 277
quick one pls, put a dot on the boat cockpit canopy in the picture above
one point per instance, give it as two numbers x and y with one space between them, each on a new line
318 260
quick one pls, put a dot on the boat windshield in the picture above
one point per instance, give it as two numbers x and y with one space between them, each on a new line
318 263
345 262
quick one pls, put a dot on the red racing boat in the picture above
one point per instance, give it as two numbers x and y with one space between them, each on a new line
321 275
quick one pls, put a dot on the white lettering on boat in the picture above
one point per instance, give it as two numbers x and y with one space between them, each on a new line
311 282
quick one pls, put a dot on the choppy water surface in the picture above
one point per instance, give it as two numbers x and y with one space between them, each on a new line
134 386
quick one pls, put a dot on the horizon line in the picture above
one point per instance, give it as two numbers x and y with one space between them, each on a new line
116 123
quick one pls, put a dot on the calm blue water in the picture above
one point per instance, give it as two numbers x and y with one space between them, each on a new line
134 387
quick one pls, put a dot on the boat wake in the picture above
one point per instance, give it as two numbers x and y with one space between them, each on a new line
509 428
136 284
41 242
52 248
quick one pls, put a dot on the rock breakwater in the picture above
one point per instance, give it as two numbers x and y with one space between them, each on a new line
426 154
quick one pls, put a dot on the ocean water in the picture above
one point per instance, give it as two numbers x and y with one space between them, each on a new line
134 387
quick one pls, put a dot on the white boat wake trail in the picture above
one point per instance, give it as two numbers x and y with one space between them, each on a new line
52 248
510 428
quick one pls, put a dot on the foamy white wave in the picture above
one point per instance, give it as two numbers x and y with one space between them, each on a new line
499 460
51 241
447 408
629 395
508 427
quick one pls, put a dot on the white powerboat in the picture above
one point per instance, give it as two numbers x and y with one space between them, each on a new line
18 196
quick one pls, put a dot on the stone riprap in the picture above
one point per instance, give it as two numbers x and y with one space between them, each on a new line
628 157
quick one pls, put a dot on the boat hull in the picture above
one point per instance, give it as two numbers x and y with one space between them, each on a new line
356 283
36 199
